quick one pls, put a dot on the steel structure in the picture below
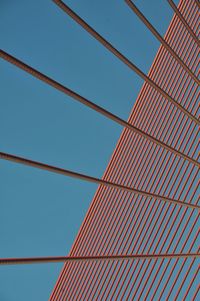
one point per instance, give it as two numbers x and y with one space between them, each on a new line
139 239
120 222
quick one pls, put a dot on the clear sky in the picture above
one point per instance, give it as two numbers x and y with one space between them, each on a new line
40 212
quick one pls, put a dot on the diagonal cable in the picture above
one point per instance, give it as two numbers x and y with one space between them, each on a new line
187 26
119 55
69 173
35 260
160 39
90 104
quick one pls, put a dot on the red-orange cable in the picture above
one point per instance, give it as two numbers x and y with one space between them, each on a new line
119 55
90 104
80 176
160 39
179 14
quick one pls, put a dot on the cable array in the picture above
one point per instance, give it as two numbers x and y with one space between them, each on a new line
117 222
88 103
120 56
141 225
160 39
80 176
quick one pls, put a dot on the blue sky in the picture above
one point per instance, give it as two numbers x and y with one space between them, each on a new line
42 212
